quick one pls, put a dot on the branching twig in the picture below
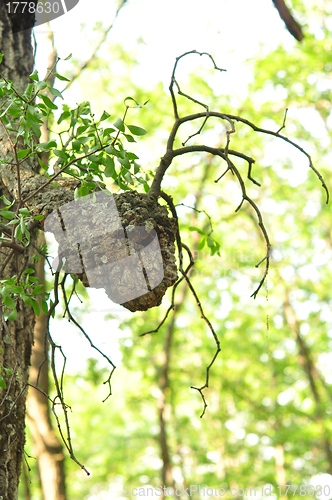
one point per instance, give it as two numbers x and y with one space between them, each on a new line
181 245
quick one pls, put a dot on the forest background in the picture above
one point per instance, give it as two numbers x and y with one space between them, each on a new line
270 394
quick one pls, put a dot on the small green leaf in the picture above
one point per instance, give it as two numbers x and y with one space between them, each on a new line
68 57
41 85
1 56
48 102
7 371
201 244
192 228
110 168
125 162
104 116
24 211
22 225
2 382
38 217
63 116
111 151
129 138
46 145
60 77
55 92
34 76
136 130
28 271
60 154
128 178
35 306
53 312
8 301
130 99
119 125
21 154
26 299
13 315
18 232
38 289
4 199
44 306
108 131
7 214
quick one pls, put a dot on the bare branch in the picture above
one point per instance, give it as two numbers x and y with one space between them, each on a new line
291 24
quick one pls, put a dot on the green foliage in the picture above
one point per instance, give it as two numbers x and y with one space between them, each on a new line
7 372
80 147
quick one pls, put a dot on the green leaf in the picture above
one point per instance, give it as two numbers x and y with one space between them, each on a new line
41 85
2 382
110 168
1 56
119 125
13 315
35 306
6 202
68 57
22 225
201 244
38 289
104 116
129 138
38 217
14 288
7 214
128 177
60 154
136 130
210 242
108 131
131 99
26 299
111 151
8 301
34 76
125 162
44 306
192 228
48 102
28 271
55 92
83 140
51 304
18 232
24 211
60 77
7 371
63 116
21 154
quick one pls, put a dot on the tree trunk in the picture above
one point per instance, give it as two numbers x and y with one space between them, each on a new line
15 337
48 447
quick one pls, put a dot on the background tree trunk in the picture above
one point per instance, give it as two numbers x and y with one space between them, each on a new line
48 447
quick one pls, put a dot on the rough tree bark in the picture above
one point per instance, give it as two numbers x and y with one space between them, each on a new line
16 338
